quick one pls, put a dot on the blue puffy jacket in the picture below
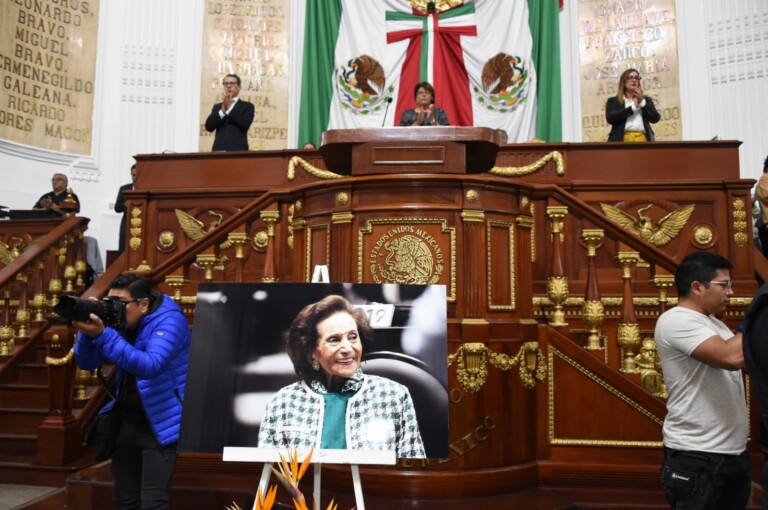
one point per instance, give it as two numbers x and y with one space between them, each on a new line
158 360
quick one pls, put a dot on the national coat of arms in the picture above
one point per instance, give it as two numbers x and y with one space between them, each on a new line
504 84
361 85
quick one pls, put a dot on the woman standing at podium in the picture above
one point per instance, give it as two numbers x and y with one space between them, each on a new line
336 405
425 113
631 113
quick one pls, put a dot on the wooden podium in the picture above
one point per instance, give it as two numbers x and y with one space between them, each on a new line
399 150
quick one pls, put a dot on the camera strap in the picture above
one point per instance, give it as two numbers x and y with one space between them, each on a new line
112 393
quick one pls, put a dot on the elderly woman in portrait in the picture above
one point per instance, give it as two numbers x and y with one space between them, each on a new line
336 405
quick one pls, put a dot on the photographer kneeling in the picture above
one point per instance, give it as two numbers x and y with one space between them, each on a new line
150 354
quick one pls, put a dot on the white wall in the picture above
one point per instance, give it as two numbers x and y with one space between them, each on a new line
148 85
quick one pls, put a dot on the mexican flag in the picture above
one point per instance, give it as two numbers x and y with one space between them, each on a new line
493 63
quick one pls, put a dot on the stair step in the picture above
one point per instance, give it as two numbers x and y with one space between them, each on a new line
27 396
18 447
33 373
14 420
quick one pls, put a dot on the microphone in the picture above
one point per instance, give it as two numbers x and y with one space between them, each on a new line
386 109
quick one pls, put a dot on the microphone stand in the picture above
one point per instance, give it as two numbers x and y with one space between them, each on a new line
386 109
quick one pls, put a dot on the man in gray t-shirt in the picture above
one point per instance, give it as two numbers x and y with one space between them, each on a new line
706 465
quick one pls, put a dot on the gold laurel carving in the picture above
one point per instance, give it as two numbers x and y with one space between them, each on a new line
342 198
472 371
512 171
58 362
472 196
312 170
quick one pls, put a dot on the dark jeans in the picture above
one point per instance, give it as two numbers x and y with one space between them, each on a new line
706 481
142 470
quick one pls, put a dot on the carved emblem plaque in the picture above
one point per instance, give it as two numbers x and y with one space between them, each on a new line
408 251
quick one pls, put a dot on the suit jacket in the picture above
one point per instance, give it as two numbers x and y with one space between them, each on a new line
120 207
232 130
410 116
755 347
616 115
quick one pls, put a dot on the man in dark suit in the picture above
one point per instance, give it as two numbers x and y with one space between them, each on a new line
231 118
120 207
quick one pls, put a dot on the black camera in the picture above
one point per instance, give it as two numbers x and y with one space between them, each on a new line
111 310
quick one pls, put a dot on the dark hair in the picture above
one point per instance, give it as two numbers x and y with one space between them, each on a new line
426 86
622 81
699 266
233 76
137 286
765 165
302 336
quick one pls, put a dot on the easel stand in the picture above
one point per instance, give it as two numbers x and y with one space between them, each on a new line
352 457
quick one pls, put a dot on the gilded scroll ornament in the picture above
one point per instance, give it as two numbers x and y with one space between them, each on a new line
471 366
312 170
667 228
518 171
195 229
593 313
629 340
135 230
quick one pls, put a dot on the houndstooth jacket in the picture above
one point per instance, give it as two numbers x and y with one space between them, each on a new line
380 416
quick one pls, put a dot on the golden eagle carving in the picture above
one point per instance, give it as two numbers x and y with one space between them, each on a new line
667 228
195 229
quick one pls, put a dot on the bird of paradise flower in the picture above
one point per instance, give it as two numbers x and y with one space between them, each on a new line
289 473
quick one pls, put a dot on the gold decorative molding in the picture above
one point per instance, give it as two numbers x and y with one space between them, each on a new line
511 171
404 226
291 211
342 218
165 239
613 301
472 216
342 198
261 239
667 228
59 362
135 230
471 367
525 222
312 170
556 441
510 228
740 236
703 236
312 229
472 196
